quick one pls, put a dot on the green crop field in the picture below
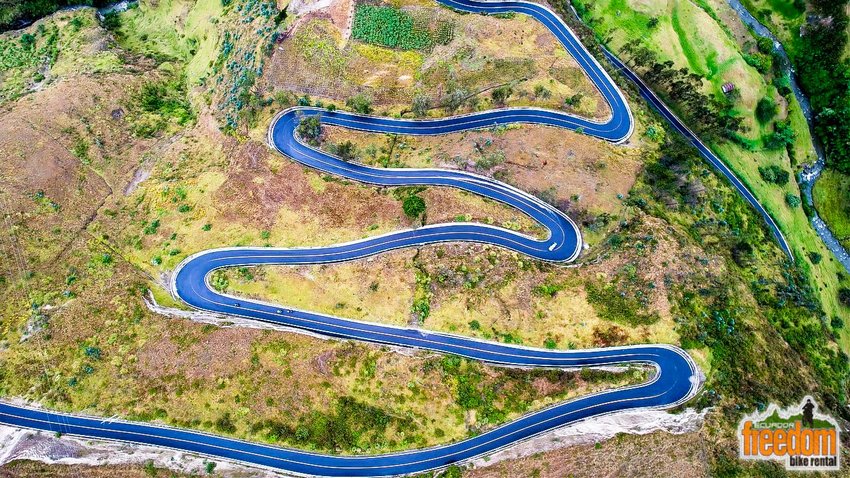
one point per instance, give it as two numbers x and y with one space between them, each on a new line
390 27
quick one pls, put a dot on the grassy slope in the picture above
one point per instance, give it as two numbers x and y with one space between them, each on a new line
831 195
173 29
706 47
62 47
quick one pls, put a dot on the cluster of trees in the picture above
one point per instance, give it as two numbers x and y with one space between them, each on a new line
309 129
774 174
711 117
827 80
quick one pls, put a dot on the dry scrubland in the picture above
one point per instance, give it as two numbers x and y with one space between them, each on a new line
117 175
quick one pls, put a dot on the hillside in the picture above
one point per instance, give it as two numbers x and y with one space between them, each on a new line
138 139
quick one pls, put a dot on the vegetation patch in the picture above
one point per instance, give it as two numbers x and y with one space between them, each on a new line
161 107
617 306
395 28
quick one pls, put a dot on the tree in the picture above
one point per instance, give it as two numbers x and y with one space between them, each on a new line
346 151
360 103
541 91
309 129
421 105
765 110
501 94
574 100
833 125
783 135
413 206
455 97
844 296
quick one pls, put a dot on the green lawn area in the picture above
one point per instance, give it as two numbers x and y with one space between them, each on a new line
691 37
832 200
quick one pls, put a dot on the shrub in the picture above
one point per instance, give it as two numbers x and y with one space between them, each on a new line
151 228
783 135
360 103
346 151
765 45
792 200
27 40
161 104
815 257
501 94
774 174
541 91
546 289
574 100
219 281
421 105
844 296
224 424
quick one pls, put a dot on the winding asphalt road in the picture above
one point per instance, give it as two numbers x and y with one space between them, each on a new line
676 377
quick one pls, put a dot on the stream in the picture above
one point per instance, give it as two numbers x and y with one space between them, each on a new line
806 179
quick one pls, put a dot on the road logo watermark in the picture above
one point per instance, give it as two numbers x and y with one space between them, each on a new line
799 436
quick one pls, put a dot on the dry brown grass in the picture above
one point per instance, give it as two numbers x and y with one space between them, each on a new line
653 455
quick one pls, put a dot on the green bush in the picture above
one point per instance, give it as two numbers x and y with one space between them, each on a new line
159 105
792 200
309 129
360 103
501 94
783 135
345 150
413 206
844 296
